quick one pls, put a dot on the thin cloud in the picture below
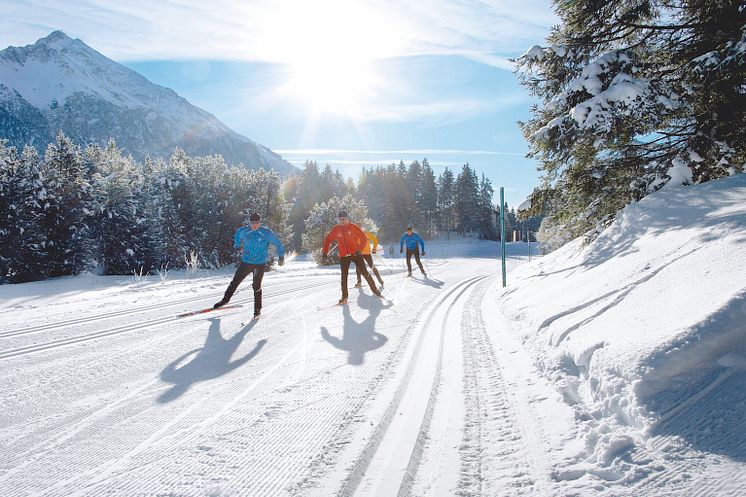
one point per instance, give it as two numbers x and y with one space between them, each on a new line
266 31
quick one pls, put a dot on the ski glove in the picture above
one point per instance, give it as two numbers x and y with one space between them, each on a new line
401 251
423 253
357 253
323 257
281 261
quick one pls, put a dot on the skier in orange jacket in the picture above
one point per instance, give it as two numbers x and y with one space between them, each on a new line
351 241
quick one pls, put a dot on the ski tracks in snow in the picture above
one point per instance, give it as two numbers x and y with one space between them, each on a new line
447 421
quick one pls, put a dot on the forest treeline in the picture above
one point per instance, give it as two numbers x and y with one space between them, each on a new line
96 209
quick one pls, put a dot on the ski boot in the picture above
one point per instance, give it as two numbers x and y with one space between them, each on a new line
219 304
358 284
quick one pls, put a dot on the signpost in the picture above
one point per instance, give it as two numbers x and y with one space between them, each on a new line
502 231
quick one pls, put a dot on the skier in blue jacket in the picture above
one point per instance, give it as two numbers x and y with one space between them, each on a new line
254 243
414 241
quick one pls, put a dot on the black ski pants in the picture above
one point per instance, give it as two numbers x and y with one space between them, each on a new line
416 253
368 258
242 272
360 266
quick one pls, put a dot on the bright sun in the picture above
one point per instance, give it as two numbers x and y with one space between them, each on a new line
331 47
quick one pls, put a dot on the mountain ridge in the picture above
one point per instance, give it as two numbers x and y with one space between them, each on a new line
61 84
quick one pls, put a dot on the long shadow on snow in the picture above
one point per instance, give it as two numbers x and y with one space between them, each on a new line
359 338
698 386
208 362
435 283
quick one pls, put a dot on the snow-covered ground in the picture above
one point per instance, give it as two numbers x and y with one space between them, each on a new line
616 368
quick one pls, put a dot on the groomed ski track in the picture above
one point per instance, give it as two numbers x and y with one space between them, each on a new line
136 401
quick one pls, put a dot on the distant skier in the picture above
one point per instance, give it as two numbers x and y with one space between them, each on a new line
254 243
414 241
351 240
368 257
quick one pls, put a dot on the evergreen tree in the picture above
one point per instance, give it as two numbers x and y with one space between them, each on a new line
23 198
323 217
119 224
466 204
487 227
429 199
66 221
446 200
632 94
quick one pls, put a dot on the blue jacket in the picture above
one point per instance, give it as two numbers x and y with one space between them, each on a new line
256 243
412 241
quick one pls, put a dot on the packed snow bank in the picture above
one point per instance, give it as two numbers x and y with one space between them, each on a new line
643 330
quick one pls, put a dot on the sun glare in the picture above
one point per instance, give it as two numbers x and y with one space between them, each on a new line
331 48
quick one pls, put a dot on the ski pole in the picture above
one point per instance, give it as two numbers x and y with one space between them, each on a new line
429 271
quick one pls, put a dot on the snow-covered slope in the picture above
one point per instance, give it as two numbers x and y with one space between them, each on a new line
60 83
643 331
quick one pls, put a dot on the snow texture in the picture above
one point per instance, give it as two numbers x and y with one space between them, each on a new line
611 369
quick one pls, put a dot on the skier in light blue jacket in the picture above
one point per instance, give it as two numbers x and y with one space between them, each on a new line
254 243
414 241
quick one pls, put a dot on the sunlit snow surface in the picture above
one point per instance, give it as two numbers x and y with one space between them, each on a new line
615 368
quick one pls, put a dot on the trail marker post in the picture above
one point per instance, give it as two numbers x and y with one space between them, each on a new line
502 231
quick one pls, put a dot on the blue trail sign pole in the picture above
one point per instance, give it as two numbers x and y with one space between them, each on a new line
502 230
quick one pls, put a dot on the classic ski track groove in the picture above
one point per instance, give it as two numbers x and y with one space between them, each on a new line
29 349
357 472
112 314
405 488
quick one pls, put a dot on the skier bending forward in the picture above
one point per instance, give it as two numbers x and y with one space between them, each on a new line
254 244
351 240
368 258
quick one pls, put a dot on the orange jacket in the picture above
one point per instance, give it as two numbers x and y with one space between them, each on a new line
350 239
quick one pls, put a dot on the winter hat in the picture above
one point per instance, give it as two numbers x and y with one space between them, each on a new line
342 214
255 217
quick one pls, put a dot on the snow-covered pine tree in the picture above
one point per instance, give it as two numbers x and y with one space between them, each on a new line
69 209
631 94
323 217
23 198
120 228
170 241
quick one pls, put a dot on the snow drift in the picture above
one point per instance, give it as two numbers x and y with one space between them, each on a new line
643 332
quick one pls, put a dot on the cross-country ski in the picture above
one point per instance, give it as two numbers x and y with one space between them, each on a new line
206 310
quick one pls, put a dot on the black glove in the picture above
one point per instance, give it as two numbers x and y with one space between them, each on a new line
401 251
323 257
281 261
357 253
423 253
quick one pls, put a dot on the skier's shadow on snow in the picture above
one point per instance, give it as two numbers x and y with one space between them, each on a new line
208 362
429 282
359 338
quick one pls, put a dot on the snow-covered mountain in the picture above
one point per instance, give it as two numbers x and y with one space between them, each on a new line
60 83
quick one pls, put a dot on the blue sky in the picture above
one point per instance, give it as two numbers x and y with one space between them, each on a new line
348 82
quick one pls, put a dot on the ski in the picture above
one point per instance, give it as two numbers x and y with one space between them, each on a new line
252 320
329 306
209 309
